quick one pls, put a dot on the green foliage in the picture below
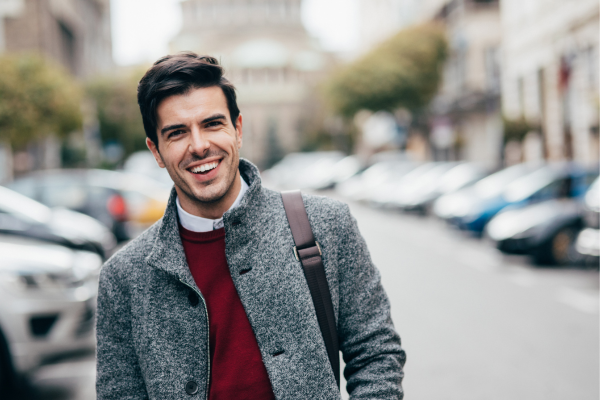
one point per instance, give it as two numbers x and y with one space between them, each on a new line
37 98
404 71
515 130
118 112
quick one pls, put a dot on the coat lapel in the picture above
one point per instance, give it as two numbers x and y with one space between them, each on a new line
167 253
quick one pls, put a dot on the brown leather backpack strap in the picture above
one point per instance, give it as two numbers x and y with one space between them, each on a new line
308 252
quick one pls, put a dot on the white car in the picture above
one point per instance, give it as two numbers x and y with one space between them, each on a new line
47 304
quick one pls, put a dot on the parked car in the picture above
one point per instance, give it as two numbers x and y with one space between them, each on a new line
418 194
143 163
479 202
547 182
383 194
306 170
375 179
22 216
47 304
341 171
126 203
546 231
588 241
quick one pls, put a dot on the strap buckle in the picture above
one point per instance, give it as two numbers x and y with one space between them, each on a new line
296 251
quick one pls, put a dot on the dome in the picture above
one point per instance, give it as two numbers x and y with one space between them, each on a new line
308 61
260 53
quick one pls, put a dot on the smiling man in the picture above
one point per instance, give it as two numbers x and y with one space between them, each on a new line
210 302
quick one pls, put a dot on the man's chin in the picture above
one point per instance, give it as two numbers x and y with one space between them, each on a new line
208 194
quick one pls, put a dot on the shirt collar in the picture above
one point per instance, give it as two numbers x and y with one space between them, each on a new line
198 224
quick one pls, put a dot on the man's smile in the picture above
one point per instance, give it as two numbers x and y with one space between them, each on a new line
203 168
204 171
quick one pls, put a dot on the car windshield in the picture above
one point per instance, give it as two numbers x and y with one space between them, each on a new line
592 198
495 184
459 176
528 185
15 203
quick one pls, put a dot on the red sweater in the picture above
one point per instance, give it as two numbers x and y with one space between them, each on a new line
237 369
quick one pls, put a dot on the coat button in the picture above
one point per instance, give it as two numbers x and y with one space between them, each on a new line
193 298
191 387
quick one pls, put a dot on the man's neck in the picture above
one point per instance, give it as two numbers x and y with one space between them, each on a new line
213 210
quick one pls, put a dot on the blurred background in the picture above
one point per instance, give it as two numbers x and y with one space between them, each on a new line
464 134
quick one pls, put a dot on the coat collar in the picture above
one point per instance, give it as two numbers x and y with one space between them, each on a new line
167 252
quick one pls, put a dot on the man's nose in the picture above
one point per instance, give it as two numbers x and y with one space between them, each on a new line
199 143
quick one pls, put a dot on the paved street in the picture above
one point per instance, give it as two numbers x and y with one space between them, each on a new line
475 325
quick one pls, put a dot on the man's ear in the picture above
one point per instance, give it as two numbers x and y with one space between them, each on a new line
155 152
238 129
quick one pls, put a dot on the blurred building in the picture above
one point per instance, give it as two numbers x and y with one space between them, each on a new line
75 33
533 62
466 121
268 55
379 19
550 75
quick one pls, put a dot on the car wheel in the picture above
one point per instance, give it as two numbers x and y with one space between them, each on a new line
558 250
8 383
3 377
4 374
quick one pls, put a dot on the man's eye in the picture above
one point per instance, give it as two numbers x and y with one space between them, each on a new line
175 133
214 123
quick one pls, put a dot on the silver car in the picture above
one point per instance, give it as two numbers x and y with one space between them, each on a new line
47 304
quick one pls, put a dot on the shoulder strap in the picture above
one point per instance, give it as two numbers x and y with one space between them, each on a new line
308 252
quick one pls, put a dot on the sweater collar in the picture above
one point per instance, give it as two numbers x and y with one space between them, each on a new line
167 253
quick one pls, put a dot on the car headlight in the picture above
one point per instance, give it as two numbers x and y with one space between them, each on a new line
27 279
32 280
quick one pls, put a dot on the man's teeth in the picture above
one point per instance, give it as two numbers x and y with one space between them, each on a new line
205 167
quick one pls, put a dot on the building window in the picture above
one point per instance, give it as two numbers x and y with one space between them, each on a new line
67 40
521 94
492 69
541 94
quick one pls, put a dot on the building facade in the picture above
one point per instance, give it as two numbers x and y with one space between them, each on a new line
270 58
74 33
467 122
550 75
380 19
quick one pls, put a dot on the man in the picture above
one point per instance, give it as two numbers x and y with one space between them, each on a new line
210 302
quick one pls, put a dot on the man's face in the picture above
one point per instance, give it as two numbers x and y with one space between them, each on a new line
198 144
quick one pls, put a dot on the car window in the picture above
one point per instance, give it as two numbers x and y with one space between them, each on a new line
15 203
72 196
25 186
530 184
495 184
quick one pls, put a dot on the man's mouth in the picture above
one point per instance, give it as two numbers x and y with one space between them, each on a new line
204 168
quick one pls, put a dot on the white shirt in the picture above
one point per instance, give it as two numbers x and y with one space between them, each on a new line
198 224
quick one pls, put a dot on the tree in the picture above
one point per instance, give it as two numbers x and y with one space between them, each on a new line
118 112
404 71
37 98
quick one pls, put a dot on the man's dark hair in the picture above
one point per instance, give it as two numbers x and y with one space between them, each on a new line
178 74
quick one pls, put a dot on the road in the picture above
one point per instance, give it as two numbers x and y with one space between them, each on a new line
475 325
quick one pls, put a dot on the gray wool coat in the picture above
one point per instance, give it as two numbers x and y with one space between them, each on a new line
154 344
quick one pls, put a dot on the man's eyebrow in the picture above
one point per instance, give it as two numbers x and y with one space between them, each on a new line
170 128
213 118
204 121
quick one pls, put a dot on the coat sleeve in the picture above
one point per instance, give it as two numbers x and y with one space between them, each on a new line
118 372
368 341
